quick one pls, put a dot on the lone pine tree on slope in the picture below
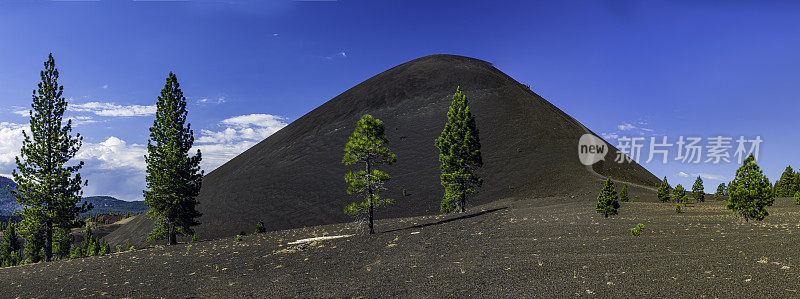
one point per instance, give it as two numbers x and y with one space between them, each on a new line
786 185
48 189
607 201
698 191
173 177
663 191
367 145
460 155
750 192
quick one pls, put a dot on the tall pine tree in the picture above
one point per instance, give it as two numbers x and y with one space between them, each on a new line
173 177
698 191
460 155
679 195
367 145
720 191
607 200
48 188
663 191
786 185
750 193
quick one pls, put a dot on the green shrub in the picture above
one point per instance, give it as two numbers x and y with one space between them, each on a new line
637 230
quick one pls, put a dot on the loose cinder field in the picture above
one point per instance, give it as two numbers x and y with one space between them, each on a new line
507 248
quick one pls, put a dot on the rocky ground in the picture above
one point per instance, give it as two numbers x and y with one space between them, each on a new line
510 248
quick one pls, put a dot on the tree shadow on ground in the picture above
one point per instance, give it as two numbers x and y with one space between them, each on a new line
448 220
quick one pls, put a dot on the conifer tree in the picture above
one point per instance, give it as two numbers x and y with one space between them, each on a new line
367 145
62 241
698 191
720 191
9 245
663 191
623 196
48 188
679 195
460 154
173 177
260 227
786 185
749 193
607 201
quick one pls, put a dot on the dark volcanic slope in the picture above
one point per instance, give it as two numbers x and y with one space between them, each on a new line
294 178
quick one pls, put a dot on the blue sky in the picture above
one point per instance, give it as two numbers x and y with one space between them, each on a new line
624 68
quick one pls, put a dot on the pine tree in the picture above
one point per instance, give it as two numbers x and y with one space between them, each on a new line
749 193
607 203
62 241
623 196
33 246
173 177
720 191
698 191
679 195
9 245
460 154
367 145
49 189
663 191
786 185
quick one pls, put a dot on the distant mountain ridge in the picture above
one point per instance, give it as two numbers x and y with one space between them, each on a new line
102 204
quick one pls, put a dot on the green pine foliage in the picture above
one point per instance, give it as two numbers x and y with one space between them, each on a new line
678 208
623 196
720 192
607 200
62 243
663 191
260 227
48 186
173 177
749 193
9 246
698 191
33 247
367 145
460 154
787 186
679 195
797 198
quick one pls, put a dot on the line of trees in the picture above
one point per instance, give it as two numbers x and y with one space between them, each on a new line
459 154
50 185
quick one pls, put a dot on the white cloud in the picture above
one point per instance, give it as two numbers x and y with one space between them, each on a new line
626 127
105 86
111 109
610 136
10 141
81 120
220 100
238 134
24 113
113 153
707 176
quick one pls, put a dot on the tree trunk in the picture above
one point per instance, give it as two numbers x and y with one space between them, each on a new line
172 237
369 198
48 243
